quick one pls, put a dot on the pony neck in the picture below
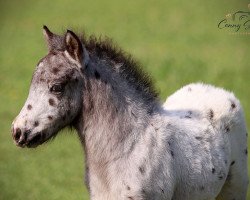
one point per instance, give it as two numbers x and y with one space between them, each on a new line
114 113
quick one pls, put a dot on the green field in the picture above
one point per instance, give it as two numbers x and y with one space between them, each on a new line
177 42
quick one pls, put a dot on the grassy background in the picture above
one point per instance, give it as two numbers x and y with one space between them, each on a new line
178 42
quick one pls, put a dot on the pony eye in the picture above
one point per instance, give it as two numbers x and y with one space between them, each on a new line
57 88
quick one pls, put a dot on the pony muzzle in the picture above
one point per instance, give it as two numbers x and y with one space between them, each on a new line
23 137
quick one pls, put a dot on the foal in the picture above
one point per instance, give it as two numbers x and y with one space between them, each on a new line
135 148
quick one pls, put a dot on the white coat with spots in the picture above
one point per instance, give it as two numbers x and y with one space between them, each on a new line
211 143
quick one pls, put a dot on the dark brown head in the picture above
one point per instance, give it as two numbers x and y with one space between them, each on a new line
55 95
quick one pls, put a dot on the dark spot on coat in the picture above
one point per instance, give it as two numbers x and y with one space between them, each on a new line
233 105
42 80
64 117
36 123
226 162
220 177
189 89
50 117
131 198
55 70
128 188
142 169
188 115
51 102
213 170
232 163
211 114
246 151
29 107
97 75
198 138
172 153
162 191
227 129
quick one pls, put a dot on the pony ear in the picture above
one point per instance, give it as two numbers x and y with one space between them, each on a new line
54 42
47 33
74 46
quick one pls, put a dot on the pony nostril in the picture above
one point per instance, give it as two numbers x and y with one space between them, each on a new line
20 136
17 134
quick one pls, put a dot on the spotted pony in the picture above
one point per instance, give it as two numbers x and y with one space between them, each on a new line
194 147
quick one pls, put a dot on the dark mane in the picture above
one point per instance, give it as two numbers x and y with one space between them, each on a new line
130 69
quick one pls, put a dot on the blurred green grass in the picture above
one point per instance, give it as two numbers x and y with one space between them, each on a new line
178 42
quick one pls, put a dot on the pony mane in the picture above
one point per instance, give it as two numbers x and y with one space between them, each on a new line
104 48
